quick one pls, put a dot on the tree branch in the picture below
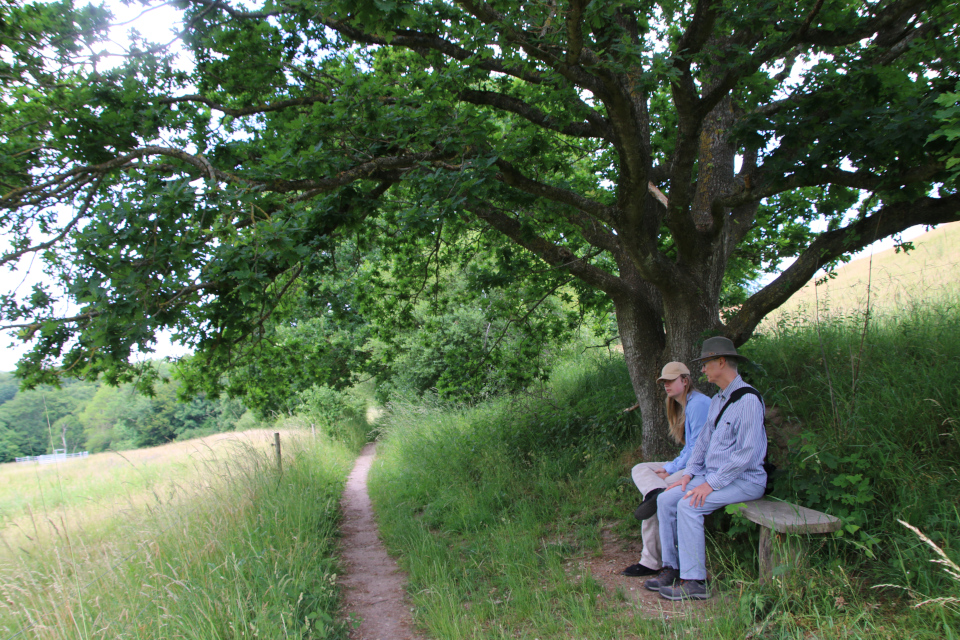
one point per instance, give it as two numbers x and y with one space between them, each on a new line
864 180
376 168
512 177
575 31
16 255
246 111
889 17
534 115
830 245
574 73
558 257
417 41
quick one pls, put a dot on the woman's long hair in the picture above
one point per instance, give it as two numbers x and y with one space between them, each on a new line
677 409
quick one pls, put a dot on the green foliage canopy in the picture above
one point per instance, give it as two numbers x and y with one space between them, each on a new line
645 148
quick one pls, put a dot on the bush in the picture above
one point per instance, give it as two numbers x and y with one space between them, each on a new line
339 414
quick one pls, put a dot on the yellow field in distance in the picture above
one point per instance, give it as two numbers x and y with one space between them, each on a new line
896 280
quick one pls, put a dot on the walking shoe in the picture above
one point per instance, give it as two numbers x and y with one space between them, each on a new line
638 570
648 507
667 577
686 590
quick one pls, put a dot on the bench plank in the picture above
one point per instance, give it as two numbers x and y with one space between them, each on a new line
785 517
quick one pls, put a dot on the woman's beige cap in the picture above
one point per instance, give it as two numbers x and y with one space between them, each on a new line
672 371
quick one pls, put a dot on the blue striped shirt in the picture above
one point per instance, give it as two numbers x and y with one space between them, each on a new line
735 448
694 417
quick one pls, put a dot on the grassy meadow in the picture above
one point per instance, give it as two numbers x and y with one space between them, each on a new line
199 539
895 280
488 505
79 493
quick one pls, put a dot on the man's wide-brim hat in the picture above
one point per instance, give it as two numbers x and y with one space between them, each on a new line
717 347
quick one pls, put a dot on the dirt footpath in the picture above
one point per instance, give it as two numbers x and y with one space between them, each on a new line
618 554
374 593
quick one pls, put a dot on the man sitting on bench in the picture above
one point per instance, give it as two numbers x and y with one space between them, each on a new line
726 467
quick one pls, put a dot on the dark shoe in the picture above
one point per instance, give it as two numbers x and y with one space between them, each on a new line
648 507
638 570
686 590
667 577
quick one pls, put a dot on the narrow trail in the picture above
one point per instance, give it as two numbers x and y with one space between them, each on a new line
373 584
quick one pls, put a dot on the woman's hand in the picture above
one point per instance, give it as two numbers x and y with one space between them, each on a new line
663 474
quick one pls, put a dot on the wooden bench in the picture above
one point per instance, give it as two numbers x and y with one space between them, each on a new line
783 517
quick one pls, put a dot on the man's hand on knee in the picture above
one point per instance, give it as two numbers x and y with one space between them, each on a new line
682 483
698 494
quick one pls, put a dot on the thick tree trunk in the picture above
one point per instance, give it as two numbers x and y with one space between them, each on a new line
641 335
652 338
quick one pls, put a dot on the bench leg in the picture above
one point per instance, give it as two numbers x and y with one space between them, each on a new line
766 556
776 553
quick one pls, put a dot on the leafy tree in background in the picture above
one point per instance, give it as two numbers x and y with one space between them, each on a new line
12 444
466 346
651 150
95 417
314 336
68 434
461 314
35 415
121 417
109 407
9 385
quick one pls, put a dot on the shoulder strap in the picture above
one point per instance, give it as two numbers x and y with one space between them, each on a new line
736 395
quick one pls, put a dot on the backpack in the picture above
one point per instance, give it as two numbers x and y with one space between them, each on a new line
769 467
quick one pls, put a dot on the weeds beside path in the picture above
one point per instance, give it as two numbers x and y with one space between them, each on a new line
373 585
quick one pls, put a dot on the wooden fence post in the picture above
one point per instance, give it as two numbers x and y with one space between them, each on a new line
276 443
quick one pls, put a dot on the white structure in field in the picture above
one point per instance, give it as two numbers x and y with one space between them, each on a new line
58 455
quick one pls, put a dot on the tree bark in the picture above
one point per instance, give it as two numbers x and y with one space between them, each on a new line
642 337
649 343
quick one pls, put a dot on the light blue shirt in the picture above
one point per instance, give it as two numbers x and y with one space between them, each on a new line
694 417
735 448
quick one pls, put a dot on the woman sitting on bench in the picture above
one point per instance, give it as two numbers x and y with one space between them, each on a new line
686 414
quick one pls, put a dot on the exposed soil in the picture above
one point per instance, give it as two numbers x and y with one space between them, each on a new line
374 596
618 554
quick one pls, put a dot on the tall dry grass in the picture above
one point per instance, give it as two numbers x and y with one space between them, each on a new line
201 539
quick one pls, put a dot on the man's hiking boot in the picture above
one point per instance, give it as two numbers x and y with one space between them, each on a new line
648 507
686 590
668 576
638 571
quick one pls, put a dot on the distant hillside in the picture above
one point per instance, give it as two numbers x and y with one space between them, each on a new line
929 271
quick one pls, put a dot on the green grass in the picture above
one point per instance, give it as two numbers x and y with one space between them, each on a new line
486 506
238 551
485 511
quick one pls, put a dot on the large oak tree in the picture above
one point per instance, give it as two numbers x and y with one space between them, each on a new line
643 148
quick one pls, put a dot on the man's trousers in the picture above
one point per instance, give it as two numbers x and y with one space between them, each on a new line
681 526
